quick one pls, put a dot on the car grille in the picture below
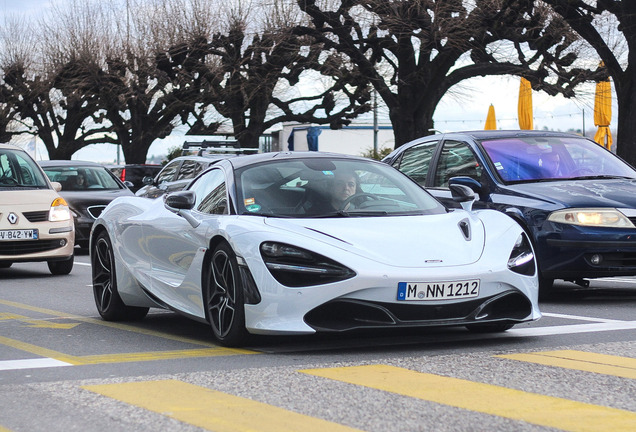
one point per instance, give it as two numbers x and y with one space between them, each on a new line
12 248
95 211
37 216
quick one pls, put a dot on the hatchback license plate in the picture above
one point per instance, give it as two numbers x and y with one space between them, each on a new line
438 290
30 234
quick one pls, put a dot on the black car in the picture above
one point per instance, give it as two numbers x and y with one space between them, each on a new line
576 199
132 175
88 188
177 174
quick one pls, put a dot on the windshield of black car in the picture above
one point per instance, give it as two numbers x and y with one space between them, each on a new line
329 187
18 170
529 159
79 178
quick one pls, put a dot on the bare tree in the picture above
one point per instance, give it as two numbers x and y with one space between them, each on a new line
414 51
54 91
598 22
260 69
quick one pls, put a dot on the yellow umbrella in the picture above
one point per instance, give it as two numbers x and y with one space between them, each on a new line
524 107
491 122
603 113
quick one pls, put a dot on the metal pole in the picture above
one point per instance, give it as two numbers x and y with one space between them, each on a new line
375 123
583 121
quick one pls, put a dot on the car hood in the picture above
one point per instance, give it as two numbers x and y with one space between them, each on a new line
401 241
618 193
93 197
40 199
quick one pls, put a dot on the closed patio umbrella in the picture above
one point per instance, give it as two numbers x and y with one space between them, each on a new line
491 121
524 106
603 113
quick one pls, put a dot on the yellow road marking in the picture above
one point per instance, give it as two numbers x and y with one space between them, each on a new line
211 409
119 326
37 323
122 357
4 429
485 398
624 367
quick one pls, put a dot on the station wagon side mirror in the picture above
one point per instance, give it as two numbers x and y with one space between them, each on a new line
181 203
463 195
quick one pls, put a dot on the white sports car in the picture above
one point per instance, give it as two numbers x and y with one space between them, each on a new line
298 243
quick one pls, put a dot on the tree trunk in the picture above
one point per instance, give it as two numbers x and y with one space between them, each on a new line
626 99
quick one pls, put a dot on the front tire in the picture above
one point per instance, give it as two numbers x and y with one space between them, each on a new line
61 267
109 304
225 305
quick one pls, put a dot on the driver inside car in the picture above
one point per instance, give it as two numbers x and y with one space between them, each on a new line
345 185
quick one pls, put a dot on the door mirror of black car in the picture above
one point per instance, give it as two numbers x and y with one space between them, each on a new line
470 182
129 184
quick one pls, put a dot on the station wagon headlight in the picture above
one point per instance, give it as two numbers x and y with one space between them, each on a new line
600 217
522 258
296 267
59 210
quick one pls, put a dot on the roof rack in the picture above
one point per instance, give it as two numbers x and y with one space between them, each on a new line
225 146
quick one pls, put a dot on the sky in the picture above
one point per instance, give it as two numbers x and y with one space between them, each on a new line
464 108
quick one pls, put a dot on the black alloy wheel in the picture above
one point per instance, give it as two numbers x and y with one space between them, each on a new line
224 297
109 304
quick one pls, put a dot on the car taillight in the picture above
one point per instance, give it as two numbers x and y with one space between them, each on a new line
122 176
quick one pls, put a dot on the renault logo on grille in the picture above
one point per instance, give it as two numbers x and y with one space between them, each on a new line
12 218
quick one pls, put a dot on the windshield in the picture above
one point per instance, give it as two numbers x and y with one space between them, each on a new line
329 187
78 178
550 158
19 171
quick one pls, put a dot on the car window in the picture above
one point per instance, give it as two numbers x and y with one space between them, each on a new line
168 172
416 160
552 158
456 159
321 187
17 169
210 191
76 178
189 169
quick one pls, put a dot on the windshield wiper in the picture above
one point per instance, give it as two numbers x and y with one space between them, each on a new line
600 177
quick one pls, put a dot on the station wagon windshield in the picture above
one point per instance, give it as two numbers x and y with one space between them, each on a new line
321 187
553 158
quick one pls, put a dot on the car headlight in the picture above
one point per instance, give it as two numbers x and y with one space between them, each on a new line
600 217
296 267
522 258
59 210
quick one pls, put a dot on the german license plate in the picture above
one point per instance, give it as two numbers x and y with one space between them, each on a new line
30 234
438 290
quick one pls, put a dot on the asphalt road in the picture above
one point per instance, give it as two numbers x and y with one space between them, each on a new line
64 369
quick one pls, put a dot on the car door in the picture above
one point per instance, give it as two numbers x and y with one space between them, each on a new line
178 247
456 158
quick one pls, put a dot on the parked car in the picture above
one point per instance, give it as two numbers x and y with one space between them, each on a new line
575 199
177 173
272 244
88 188
132 175
35 221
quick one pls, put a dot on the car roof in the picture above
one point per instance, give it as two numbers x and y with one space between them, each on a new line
254 159
73 163
490 134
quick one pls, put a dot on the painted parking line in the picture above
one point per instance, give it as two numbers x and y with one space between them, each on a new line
623 367
212 410
36 363
512 404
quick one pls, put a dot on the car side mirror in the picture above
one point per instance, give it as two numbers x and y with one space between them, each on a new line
463 195
470 182
57 186
181 203
147 180
129 184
